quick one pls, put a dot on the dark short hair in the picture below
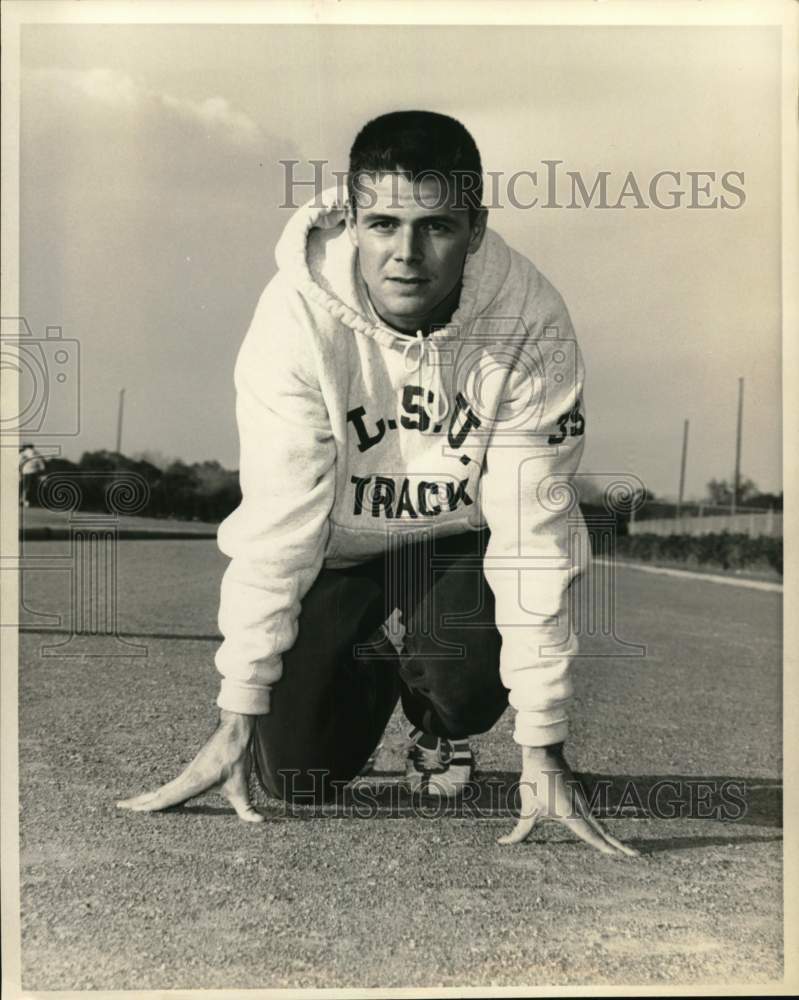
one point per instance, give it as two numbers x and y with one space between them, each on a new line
416 144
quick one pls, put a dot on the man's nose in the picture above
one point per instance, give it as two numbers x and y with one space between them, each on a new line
409 246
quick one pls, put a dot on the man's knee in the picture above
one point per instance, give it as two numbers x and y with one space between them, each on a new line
452 703
474 716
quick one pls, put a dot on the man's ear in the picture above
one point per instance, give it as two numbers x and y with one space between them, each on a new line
478 231
352 226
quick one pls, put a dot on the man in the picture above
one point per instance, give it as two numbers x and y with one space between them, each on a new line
31 466
409 407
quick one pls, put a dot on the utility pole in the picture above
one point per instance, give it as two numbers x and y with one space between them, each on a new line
737 481
119 420
682 467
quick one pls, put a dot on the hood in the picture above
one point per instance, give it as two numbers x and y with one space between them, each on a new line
316 255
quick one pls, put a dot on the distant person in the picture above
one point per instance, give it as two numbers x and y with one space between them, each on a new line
397 344
31 466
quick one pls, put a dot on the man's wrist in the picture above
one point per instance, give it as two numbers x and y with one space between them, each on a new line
237 720
542 752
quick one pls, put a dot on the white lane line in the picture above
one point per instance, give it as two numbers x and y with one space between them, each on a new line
709 577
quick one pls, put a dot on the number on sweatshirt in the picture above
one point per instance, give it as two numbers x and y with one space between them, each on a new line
571 424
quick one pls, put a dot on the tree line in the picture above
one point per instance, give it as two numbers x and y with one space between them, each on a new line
200 491
206 491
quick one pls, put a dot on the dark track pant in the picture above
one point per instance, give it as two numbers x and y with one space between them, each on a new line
342 678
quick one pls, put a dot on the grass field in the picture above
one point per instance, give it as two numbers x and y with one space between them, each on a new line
38 521
314 898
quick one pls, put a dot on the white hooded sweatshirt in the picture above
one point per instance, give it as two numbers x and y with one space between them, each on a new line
351 431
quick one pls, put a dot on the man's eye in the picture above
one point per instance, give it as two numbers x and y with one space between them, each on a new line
437 227
383 224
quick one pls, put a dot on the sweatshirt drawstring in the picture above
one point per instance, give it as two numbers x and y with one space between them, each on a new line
424 345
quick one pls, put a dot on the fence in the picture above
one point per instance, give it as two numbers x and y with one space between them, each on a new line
752 523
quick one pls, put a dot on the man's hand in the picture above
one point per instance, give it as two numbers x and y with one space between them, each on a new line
549 789
223 763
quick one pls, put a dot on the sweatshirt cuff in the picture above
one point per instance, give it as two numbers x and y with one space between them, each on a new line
245 699
540 729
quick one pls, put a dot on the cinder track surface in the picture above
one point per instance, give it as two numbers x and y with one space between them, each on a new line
399 896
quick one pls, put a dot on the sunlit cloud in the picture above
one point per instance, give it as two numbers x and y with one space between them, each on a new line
115 90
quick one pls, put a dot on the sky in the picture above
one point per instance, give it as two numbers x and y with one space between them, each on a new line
151 186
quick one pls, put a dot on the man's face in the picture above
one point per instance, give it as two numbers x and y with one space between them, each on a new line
411 249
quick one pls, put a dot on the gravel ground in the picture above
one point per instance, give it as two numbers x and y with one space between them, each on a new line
401 897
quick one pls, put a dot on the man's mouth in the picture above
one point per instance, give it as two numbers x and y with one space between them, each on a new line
410 281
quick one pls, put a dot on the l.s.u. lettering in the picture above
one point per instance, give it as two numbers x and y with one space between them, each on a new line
415 418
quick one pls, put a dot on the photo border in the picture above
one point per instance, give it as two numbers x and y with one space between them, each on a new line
784 15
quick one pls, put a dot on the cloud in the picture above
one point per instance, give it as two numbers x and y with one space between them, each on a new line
216 112
116 91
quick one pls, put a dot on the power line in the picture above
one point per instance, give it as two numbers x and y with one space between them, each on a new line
682 467
120 411
736 486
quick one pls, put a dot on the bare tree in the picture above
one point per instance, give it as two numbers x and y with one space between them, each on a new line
719 492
